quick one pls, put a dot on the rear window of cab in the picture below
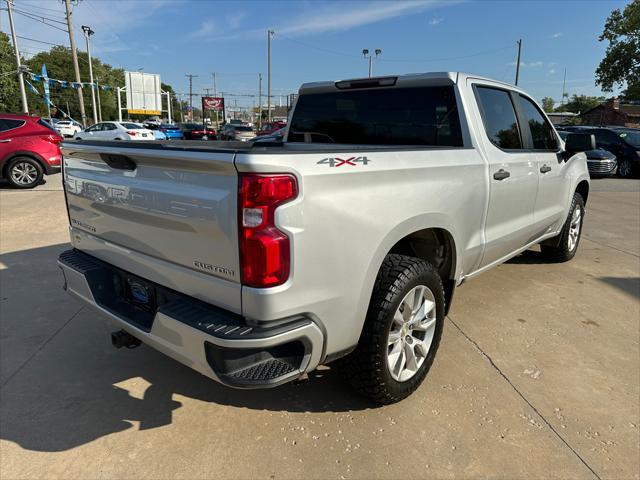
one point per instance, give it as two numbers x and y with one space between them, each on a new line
422 116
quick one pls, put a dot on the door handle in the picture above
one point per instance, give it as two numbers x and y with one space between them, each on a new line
5 141
501 174
545 168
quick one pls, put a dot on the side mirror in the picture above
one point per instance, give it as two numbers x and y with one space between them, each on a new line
579 142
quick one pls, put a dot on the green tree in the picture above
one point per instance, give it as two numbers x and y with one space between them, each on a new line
9 92
621 64
580 104
547 104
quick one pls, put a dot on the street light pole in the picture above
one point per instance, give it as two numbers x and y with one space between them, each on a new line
23 92
365 53
87 33
518 61
269 35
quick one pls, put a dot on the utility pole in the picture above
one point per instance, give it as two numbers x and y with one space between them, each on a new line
215 92
98 96
23 92
269 35
518 61
87 33
74 56
259 101
191 77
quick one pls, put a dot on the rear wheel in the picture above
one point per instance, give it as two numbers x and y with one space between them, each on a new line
24 172
401 333
566 245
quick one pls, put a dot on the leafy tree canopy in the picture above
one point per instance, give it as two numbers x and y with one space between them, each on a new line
580 104
621 64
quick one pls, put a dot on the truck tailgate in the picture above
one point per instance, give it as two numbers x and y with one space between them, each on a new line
168 215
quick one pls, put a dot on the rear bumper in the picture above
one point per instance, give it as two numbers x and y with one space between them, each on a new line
213 341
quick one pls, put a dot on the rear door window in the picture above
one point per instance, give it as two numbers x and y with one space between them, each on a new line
9 124
542 133
499 116
425 116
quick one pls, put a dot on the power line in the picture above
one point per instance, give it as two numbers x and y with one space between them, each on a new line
40 41
26 12
40 20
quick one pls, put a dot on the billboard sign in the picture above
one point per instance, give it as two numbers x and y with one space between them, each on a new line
212 104
143 93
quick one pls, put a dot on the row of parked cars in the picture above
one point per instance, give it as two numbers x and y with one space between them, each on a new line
30 146
112 130
618 149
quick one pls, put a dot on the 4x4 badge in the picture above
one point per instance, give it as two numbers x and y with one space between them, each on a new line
338 162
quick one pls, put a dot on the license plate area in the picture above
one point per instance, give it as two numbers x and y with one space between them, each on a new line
140 294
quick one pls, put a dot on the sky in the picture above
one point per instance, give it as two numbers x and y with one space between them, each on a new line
323 40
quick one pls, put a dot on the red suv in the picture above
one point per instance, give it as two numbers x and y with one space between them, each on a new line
29 148
269 128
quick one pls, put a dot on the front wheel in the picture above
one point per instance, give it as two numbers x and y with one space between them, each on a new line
625 169
401 333
566 243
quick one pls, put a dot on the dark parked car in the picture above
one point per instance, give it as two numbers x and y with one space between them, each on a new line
197 131
624 143
599 162
29 148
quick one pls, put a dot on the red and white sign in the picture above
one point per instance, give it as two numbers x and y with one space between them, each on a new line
212 104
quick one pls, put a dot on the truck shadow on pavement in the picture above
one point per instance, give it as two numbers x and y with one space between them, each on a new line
72 387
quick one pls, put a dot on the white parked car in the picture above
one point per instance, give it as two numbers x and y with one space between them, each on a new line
67 128
115 131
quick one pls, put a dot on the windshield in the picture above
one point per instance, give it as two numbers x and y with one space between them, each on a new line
396 116
242 129
632 137
169 127
132 126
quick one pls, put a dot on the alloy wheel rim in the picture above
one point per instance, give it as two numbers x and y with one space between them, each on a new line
411 333
624 168
23 173
574 228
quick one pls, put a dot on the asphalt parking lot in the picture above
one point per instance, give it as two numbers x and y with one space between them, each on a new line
538 375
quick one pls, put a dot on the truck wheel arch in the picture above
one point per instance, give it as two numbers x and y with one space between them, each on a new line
400 240
583 189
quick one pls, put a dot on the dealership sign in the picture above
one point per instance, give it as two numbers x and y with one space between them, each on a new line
212 104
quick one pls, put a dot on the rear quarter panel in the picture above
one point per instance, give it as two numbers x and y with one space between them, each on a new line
347 218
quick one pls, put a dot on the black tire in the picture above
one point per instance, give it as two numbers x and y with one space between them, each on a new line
560 249
625 168
366 368
24 172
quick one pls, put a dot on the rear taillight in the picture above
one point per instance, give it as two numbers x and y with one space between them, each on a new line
56 139
264 249
132 133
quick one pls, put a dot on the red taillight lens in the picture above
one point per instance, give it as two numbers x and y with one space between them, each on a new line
56 139
264 250
132 133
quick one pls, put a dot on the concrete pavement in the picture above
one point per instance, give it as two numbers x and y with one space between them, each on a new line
537 376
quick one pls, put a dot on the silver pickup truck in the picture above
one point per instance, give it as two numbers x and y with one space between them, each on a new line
254 264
